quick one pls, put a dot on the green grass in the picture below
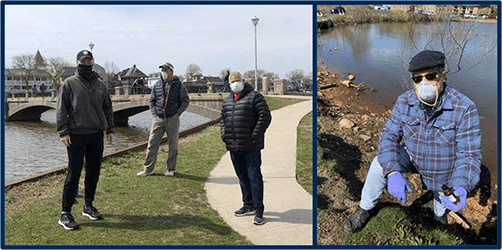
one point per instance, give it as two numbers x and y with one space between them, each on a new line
138 211
277 102
390 227
304 153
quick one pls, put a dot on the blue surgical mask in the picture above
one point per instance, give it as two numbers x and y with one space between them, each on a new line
427 93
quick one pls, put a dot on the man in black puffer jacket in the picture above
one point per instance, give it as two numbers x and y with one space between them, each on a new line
245 117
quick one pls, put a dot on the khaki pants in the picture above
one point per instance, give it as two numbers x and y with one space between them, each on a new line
170 126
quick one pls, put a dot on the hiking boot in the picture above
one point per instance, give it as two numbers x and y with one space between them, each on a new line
245 210
258 218
144 173
91 212
356 221
169 173
67 221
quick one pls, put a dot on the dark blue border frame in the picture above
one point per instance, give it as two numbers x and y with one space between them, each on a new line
314 4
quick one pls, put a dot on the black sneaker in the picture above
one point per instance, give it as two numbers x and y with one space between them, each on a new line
356 221
245 210
68 222
258 218
92 213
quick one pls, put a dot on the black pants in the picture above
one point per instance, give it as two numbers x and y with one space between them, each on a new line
91 147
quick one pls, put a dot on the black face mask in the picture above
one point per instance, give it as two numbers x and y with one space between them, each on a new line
86 72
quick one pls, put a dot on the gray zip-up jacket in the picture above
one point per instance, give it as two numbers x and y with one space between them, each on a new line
83 107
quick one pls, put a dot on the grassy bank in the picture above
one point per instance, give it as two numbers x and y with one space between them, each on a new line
304 153
277 102
138 211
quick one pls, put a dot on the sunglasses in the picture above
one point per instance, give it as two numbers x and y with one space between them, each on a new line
429 76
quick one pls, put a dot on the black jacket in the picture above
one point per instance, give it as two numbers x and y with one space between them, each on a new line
243 123
83 107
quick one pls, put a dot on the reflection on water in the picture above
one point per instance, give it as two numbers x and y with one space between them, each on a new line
32 147
378 55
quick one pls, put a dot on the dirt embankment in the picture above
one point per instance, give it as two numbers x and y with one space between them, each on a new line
348 132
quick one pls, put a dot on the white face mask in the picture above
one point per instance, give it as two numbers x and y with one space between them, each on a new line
164 75
427 93
236 87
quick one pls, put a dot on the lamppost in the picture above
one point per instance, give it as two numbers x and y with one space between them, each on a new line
91 45
255 22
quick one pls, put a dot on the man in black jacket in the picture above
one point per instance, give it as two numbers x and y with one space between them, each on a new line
84 111
245 116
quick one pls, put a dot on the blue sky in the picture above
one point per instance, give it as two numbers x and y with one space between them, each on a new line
212 36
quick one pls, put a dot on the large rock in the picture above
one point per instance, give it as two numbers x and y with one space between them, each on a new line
346 124
365 137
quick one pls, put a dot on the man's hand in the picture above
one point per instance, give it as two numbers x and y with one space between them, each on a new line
461 193
109 138
66 140
176 115
397 186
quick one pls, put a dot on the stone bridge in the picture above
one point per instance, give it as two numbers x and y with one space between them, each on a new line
124 106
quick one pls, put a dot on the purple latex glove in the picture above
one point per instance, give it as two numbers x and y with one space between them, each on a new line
461 193
397 185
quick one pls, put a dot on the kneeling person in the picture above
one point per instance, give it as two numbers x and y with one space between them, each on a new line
433 130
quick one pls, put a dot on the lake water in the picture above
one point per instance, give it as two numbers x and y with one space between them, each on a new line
32 147
378 55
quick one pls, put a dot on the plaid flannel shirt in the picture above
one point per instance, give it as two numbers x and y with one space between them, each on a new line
445 149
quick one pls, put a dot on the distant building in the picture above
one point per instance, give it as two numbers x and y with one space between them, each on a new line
199 83
69 71
129 75
472 9
15 79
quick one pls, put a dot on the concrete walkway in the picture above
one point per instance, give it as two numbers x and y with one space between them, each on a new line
288 207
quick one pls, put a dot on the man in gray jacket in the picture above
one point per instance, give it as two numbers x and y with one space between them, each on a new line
168 100
84 111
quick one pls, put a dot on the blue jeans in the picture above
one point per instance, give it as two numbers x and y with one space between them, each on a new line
247 166
376 182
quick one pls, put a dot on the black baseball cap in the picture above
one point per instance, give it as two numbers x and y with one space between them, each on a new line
83 54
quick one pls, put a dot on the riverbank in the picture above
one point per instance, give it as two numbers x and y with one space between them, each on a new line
138 211
347 135
359 16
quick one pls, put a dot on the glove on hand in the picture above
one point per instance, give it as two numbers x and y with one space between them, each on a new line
461 193
66 140
397 185
109 138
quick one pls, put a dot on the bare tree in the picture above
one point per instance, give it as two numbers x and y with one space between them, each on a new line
261 73
111 70
25 63
192 69
295 78
296 75
54 68
462 45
